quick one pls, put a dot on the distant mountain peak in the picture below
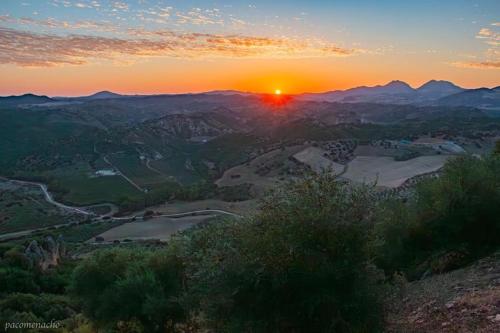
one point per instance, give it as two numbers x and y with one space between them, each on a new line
25 99
437 89
439 84
398 83
104 94
227 92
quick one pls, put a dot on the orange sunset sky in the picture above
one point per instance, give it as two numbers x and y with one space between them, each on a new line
69 47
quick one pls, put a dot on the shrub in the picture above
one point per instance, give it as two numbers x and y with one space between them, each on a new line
298 266
38 308
497 148
126 286
456 213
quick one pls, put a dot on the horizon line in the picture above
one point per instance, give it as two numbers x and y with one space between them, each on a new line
241 91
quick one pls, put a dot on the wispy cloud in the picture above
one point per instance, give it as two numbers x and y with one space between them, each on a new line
489 36
78 4
197 16
35 49
491 57
54 23
477 65
119 5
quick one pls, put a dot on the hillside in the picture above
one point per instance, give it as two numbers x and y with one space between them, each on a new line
465 300
437 89
10 101
483 97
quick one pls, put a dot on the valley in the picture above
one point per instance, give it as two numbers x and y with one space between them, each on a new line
125 155
224 179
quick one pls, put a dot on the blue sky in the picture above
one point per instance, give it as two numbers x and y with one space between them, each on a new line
452 39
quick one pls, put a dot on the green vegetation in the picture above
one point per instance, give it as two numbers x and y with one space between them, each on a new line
81 232
299 265
235 193
130 286
497 148
30 295
312 260
75 185
136 170
24 207
451 220
230 149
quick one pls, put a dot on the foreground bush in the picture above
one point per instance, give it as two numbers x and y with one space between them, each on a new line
28 294
452 220
298 266
127 288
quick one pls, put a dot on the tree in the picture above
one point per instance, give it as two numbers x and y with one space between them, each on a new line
497 148
299 266
457 212
129 286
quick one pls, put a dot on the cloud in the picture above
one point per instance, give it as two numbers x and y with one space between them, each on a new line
119 5
25 48
54 23
478 65
197 16
491 37
491 56
80 4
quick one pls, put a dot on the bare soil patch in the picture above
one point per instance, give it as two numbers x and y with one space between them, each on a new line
156 228
315 158
390 173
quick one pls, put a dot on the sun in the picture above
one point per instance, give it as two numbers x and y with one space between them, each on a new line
277 92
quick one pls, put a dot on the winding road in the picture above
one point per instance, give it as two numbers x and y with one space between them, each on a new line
95 218
48 196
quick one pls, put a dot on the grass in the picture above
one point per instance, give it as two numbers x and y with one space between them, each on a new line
80 189
176 168
136 170
84 232
24 208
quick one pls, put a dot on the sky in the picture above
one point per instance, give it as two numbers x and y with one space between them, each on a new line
78 47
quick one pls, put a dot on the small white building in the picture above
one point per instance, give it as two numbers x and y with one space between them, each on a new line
105 172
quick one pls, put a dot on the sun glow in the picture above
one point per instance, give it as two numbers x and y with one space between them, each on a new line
277 92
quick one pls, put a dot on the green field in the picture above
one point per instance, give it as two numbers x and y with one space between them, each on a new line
136 170
24 207
84 232
75 185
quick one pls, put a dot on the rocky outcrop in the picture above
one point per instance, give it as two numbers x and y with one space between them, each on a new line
45 254
184 126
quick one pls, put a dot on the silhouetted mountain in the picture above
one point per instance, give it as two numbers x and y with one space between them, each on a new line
480 98
104 95
393 87
397 92
24 99
228 92
438 89
363 94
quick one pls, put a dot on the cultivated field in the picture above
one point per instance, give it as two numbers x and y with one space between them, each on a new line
239 207
156 228
314 157
82 189
390 173
263 172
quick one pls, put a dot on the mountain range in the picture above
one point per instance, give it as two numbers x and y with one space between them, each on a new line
432 93
395 92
